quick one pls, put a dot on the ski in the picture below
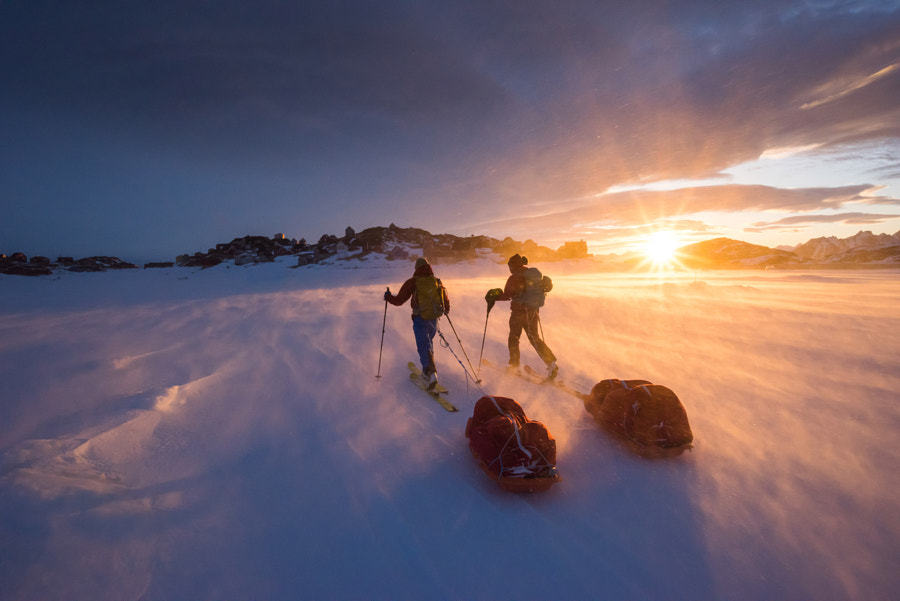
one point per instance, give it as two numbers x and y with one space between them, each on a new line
556 382
541 379
437 393
529 374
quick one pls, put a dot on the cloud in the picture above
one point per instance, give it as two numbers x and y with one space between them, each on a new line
607 238
834 90
442 115
599 94
277 77
615 231
693 110
607 213
781 153
848 218
643 206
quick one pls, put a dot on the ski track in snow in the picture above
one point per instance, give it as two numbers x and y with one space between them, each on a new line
188 434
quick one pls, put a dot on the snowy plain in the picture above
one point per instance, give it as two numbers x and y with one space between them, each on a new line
219 434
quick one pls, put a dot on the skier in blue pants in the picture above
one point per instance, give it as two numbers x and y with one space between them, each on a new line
429 301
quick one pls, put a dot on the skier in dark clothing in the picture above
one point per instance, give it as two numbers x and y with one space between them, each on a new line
526 288
429 301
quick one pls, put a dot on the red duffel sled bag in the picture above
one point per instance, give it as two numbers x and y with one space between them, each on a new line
648 417
517 452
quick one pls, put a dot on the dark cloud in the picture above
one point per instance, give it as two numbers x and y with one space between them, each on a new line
441 114
282 77
641 83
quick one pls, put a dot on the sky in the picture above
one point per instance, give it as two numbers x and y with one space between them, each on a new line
147 130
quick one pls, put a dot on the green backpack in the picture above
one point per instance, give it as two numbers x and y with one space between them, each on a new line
430 297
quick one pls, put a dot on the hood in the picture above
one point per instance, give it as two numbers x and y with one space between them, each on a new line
423 270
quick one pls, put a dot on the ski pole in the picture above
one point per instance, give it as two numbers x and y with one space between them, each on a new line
381 348
466 355
444 343
483 336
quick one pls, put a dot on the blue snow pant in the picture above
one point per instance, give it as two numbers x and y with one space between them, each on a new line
424 330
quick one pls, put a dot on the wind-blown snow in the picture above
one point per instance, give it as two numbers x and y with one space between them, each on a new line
219 434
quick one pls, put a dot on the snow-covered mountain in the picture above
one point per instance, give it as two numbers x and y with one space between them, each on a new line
392 242
721 253
863 248
831 248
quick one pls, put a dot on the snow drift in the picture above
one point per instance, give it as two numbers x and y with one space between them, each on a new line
218 434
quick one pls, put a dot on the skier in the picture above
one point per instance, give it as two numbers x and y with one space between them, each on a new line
526 288
429 301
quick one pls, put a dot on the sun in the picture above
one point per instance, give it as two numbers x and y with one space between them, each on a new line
660 247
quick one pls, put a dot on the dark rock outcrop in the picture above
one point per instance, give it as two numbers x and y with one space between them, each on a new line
18 264
198 260
395 243
101 263
244 251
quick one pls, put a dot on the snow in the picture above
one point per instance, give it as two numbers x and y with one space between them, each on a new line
219 434
829 248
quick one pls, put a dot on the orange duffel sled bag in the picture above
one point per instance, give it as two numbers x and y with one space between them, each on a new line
648 417
517 452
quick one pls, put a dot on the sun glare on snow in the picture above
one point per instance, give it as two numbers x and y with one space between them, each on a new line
660 248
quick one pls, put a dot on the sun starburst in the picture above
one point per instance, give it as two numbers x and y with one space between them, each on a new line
660 248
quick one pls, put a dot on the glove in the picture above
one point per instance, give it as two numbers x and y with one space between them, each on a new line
491 297
493 294
387 294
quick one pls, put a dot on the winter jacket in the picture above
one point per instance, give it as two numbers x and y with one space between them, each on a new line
409 287
515 286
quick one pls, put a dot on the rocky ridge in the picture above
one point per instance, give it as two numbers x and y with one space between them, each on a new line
862 250
19 264
394 243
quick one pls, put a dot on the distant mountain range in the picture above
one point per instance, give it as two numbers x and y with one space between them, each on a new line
391 243
863 249
861 246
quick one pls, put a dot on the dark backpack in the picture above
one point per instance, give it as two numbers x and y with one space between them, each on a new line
430 297
536 288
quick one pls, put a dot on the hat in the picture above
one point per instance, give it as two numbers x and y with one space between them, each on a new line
517 260
421 261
